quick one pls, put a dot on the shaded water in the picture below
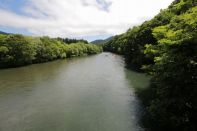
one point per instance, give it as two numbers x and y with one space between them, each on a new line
83 94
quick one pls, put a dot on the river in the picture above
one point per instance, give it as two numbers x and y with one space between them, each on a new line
94 93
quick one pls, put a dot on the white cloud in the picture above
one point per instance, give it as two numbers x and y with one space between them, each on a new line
78 18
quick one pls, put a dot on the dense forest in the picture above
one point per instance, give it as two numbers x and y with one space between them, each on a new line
70 41
18 50
166 48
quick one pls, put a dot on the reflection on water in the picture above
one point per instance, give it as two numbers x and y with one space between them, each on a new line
82 94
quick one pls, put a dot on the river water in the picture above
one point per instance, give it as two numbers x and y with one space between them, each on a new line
94 93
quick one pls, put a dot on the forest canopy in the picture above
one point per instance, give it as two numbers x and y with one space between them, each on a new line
17 50
166 48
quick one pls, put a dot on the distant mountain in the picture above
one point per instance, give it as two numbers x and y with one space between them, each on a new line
1 32
101 41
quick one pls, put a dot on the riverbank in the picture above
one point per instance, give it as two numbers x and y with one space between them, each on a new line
18 50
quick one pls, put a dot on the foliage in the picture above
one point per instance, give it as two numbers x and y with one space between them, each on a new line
175 73
166 48
70 41
17 50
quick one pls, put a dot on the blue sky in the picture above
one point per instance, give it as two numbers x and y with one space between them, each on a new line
87 19
14 6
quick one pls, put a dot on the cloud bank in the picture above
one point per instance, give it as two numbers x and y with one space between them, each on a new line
79 18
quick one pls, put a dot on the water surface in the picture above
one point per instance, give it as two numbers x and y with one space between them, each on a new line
82 94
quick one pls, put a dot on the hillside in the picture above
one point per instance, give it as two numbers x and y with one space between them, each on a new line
101 41
1 32
166 48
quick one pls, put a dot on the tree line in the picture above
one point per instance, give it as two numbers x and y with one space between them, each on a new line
166 48
70 41
18 50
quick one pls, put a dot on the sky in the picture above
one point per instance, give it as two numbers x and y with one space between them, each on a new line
87 19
